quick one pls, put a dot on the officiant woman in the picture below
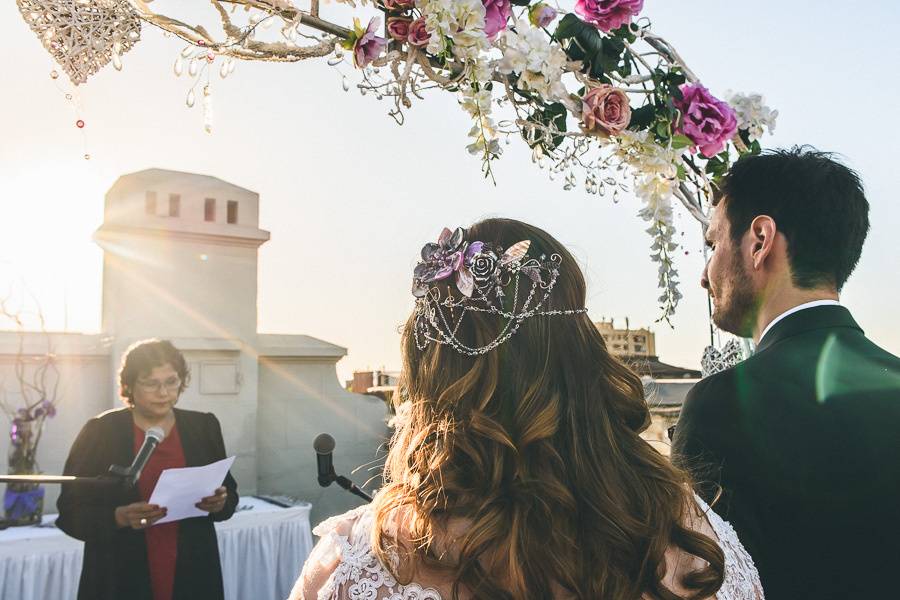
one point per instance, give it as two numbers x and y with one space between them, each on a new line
126 553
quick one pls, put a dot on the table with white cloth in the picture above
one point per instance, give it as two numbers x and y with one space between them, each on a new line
262 548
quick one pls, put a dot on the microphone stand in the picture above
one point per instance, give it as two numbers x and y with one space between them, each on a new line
117 476
41 479
349 486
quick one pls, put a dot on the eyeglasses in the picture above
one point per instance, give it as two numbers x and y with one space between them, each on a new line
153 386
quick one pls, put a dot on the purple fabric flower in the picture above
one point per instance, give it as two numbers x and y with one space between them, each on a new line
541 15
20 504
15 435
439 261
607 15
496 14
49 408
706 120
368 45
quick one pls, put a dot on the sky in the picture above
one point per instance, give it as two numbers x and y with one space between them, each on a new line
349 196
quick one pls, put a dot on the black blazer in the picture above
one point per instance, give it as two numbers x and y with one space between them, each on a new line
804 440
115 559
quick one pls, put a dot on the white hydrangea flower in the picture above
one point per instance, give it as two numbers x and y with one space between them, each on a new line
461 21
655 167
528 53
752 113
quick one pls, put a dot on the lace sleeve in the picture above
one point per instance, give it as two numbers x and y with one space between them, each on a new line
741 577
343 566
321 576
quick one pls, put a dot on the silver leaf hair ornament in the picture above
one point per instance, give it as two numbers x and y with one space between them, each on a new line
488 279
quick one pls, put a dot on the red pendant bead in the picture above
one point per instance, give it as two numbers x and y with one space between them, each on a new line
79 124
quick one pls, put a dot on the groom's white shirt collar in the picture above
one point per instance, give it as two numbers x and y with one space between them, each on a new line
797 308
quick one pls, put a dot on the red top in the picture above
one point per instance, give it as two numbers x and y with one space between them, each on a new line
162 540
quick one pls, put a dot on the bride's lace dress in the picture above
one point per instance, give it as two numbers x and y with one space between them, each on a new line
359 575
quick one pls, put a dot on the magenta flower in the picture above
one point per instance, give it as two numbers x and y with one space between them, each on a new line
367 46
496 14
705 120
607 15
541 15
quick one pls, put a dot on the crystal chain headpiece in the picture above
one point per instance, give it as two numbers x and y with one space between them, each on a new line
481 271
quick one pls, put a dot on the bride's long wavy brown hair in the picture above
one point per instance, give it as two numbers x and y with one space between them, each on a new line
536 446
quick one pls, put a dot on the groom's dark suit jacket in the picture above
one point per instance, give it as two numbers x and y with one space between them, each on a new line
803 440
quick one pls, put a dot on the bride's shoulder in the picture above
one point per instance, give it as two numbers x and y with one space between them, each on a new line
343 539
344 524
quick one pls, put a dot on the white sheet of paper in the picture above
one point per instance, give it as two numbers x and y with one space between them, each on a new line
180 489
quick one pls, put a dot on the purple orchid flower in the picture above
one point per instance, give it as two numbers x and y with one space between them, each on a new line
439 260
368 45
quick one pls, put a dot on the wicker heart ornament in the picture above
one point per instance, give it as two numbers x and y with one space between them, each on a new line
83 36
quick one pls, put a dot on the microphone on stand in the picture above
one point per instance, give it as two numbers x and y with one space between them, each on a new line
128 475
152 438
324 447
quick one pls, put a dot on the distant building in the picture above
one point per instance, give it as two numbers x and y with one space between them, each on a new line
627 343
637 348
665 386
375 383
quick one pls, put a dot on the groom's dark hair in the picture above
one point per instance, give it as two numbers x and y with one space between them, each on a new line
817 202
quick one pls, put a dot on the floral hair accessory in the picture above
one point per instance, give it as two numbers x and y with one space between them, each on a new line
480 271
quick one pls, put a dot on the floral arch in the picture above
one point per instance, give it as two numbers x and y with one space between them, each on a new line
601 99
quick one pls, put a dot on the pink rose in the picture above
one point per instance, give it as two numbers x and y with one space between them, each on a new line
706 120
398 28
496 14
368 45
605 109
607 15
418 35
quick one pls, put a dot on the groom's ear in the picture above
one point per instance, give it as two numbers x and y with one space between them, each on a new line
762 239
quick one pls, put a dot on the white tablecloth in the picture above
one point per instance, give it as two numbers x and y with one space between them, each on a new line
262 550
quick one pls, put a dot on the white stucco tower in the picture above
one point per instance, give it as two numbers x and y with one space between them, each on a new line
180 262
180 256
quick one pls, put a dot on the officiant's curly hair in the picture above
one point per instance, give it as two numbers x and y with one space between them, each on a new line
536 444
142 357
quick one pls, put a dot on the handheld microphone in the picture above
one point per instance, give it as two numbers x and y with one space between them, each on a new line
152 438
324 446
